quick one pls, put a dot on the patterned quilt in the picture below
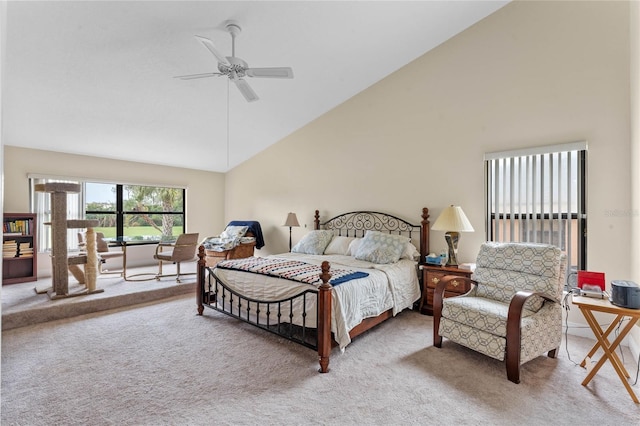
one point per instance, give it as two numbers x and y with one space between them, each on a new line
290 269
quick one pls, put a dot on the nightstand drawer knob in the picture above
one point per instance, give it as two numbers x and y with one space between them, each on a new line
435 280
455 283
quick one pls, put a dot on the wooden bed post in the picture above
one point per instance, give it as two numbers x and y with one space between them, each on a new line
324 318
316 220
201 278
424 234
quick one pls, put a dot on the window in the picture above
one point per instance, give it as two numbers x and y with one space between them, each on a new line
538 195
134 211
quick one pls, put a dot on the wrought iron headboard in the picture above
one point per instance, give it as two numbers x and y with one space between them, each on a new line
356 224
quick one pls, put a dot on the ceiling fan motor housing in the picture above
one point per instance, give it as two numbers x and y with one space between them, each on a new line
236 65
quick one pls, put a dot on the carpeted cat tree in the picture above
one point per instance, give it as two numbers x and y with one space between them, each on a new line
61 262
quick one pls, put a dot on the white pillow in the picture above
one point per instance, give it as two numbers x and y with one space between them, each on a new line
339 245
314 242
381 248
234 232
353 246
410 252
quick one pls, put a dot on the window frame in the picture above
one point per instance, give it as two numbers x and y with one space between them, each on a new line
519 220
80 205
121 213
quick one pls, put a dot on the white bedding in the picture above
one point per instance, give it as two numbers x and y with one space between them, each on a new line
392 286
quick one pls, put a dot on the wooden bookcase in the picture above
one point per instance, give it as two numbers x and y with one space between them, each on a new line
19 248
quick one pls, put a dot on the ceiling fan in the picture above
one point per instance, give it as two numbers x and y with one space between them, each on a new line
235 68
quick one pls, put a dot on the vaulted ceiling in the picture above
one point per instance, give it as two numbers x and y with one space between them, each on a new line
97 77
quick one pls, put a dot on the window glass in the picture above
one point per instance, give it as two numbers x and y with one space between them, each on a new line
153 211
101 205
539 197
133 211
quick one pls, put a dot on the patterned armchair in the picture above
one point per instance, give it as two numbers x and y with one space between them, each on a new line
512 312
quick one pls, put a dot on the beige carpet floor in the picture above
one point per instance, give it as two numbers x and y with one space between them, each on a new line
161 364
21 305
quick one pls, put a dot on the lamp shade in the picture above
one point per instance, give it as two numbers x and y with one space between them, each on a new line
292 220
452 218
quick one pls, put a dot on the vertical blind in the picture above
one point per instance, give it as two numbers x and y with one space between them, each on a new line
537 195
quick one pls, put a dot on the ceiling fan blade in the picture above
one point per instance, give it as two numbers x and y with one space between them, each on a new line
212 48
245 89
194 76
282 72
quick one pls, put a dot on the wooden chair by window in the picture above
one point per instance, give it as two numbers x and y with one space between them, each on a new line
183 250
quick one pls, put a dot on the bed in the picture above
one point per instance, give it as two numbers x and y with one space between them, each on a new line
327 292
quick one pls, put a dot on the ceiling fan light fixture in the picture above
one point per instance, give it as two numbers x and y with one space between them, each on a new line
235 68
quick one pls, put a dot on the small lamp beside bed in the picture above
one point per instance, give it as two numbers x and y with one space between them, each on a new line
452 220
292 220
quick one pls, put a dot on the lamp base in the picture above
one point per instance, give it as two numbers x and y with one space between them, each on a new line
452 243
290 241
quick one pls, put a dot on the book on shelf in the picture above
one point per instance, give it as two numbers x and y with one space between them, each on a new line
9 249
17 227
25 250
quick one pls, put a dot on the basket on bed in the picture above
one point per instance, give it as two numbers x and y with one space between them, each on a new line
238 252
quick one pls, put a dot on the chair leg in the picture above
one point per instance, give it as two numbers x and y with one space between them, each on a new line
513 369
178 272
437 339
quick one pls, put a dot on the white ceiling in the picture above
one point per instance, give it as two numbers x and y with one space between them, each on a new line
96 77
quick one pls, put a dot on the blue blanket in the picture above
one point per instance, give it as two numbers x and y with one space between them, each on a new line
254 227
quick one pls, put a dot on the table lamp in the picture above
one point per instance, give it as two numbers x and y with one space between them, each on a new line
453 221
291 221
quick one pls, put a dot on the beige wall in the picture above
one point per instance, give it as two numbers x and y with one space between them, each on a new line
205 190
533 73
634 54
635 135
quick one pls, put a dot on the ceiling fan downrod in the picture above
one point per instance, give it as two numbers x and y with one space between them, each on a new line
234 29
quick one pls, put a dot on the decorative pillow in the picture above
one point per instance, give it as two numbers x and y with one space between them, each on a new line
381 248
353 246
410 252
339 245
314 242
234 232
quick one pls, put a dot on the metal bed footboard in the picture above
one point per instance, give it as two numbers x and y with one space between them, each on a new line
277 317
214 294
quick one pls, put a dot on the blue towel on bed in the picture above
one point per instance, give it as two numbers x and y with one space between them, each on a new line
254 227
348 277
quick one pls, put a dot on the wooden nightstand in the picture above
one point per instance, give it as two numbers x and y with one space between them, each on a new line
431 275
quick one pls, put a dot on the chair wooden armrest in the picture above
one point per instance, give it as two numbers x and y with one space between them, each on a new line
514 331
438 296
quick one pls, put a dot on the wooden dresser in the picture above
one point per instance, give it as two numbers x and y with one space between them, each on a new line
431 274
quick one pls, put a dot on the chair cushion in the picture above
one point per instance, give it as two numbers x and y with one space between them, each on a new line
478 340
504 268
479 312
541 332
